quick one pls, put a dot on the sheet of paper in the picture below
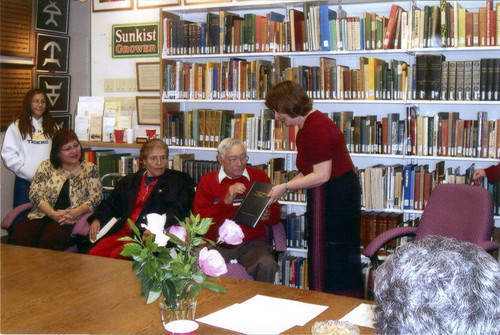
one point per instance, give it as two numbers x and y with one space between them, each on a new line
264 315
361 316
105 229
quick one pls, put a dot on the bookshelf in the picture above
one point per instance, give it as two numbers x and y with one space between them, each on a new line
187 84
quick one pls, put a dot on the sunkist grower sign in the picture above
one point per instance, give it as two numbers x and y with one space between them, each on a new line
135 40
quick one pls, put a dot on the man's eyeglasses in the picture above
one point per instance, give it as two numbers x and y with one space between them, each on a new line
69 148
156 159
242 159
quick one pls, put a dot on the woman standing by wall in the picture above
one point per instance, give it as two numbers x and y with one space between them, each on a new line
27 143
333 196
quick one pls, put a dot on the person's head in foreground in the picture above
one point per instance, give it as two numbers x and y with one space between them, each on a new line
438 285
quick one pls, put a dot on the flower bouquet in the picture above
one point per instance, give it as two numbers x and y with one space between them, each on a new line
177 263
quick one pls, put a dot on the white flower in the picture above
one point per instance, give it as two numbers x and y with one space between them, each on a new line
156 224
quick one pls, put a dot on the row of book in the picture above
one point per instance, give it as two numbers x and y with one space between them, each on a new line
438 79
431 77
108 161
321 28
406 187
444 134
295 228
374 223
293 271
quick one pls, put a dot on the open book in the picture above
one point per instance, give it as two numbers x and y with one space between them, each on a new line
253 205
105 229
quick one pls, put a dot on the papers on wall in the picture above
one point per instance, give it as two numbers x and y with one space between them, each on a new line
361 316
264 315
88 106
82 127
108 125
95 125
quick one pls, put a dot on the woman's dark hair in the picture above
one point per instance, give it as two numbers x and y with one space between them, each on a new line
62 137
149 145
288 97
48 124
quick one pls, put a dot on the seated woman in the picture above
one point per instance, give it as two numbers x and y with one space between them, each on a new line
64 188
154 189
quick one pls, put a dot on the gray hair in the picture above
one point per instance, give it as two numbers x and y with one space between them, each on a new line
228 143
438 285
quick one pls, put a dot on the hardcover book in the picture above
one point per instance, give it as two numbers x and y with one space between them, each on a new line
253 205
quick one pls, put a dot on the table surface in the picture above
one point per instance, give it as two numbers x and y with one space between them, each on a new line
45 291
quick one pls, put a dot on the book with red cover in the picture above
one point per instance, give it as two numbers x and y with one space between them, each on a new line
297 26
390 31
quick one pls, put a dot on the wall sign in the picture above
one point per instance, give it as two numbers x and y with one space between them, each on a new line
52 53
52 15
136 40
58 91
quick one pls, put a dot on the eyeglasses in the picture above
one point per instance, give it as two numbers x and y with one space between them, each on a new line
156 159
68 149
242 159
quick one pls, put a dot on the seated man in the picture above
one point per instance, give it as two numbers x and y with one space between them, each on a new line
218 196
438 285
154 189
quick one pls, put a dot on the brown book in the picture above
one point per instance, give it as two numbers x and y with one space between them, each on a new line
363 235
297 29
475 29
393 221
381 222
426 189
371 225
483 23
469 29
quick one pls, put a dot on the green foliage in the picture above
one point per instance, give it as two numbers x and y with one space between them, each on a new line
172 270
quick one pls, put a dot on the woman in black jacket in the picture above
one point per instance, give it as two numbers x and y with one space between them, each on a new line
154 189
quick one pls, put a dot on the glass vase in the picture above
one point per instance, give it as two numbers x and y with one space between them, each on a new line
185 310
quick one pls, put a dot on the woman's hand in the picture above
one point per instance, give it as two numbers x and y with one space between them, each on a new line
276 192
478 176
94 229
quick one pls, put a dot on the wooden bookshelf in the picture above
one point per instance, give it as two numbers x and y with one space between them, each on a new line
111 145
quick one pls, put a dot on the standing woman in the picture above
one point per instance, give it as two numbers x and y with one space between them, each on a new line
333 191
27 142
64 188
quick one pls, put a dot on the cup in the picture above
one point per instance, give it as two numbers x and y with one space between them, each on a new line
129 134
150 133
181 327
118 135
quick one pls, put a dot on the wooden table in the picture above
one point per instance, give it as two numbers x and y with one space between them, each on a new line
46 291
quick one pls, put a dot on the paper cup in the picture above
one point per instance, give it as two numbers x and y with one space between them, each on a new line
150 132
181 327
129 133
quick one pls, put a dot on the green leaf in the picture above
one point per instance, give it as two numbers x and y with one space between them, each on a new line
168 290
214 287
134 228
131 249
152 296
126 238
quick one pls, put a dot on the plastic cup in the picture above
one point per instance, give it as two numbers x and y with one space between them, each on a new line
181 327
150 132
119 135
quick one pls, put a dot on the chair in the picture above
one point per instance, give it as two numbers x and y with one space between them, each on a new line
461 211
236 270
81 227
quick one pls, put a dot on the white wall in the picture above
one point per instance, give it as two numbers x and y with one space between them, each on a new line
103 66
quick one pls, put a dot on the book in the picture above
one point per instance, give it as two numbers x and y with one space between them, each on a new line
104 230
253 205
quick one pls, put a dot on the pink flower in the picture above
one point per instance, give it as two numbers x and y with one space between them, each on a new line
178 231
212 263
230 232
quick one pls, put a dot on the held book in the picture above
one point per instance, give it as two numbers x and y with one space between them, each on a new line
105 229
253 205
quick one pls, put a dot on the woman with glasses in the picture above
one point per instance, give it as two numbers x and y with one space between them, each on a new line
64 188
154 189
333 191
27 143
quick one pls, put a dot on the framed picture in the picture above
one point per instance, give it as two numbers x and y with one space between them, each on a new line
63 120
148 76
148 110
199 2
52 53
58 89
52 15
103 5
157 3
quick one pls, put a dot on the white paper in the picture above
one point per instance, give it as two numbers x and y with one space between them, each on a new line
105 229
264 315
82 127
361 316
